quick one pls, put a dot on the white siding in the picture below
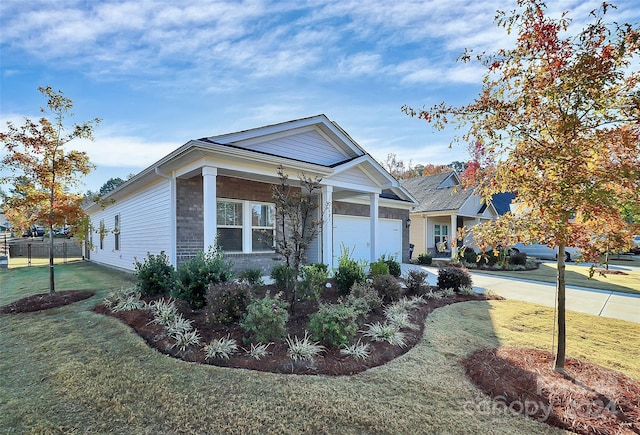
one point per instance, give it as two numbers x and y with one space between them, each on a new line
145 226
353 176
471 206
309 146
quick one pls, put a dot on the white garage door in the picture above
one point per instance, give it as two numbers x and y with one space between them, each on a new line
354 233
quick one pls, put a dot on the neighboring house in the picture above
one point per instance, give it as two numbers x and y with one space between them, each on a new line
444 206
222 185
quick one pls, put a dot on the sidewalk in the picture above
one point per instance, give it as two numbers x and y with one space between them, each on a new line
598 302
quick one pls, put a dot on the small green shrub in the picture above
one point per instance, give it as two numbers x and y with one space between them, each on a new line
417 282
388 287
395 268
252 276
349 271
425 258
470 256
334 324
378 268
518 259
455 278
314 279
363 298
266 318
227 302
156 275
282 276
195 275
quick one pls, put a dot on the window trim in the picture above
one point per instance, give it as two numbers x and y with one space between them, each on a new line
247 226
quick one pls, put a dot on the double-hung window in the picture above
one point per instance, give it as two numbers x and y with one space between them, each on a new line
116 232
229 222
245 226
262 227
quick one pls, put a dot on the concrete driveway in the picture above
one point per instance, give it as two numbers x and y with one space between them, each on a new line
598 302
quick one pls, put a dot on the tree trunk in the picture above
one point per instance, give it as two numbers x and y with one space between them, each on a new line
52 286
562 342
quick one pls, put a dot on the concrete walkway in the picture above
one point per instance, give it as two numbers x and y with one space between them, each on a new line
598 302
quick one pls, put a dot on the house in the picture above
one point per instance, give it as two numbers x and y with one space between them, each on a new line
444 206
221 186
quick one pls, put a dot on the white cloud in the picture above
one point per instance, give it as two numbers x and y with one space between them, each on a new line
123 151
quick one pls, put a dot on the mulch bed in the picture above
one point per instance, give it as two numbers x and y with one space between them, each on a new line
587 399
45 301
329 362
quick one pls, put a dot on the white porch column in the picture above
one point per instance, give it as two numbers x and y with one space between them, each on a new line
326 209
209 209
373 213
426 236
452 236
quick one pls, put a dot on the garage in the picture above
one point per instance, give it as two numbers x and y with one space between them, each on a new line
354 233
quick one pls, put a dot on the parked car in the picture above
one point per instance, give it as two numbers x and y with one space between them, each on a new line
545 252
635 248
34 231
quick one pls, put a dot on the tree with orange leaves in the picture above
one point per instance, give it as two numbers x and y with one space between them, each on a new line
43 171
560 114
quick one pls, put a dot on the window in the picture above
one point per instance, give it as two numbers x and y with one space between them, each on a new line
245 226
103 231
441 236
116 231
262 227
229 221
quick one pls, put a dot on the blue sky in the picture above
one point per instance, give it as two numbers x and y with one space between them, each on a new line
160 73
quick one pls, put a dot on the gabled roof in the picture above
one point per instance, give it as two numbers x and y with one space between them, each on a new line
439 192
313 145
502 201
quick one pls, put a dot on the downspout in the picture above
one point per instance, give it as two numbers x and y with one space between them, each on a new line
172 214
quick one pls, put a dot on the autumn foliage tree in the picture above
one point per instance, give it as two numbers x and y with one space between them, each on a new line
43 171
560 114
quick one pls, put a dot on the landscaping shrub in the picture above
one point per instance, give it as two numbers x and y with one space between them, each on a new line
425 258
156 275
334 324
455 278
363 298
266 318
388 287
281 275
252 276
470 256
416 282
314 279
518 259
349 272
378 268
195 275
394 266
227 302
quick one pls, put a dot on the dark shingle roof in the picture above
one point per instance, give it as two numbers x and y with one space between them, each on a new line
434 198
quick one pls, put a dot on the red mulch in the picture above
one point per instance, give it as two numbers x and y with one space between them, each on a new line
604 272
45 301
329 362
588 399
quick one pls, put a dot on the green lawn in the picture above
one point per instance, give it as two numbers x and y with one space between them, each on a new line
578 275
68 370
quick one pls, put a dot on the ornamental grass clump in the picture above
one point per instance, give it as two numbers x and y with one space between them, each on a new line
303 349
221 348
357 350
124 300
164 311
186 339
385 332
258 350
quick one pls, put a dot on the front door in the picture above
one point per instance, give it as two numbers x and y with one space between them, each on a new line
441 237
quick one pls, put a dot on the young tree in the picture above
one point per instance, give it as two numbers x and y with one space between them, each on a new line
298 224
44 171
560 113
